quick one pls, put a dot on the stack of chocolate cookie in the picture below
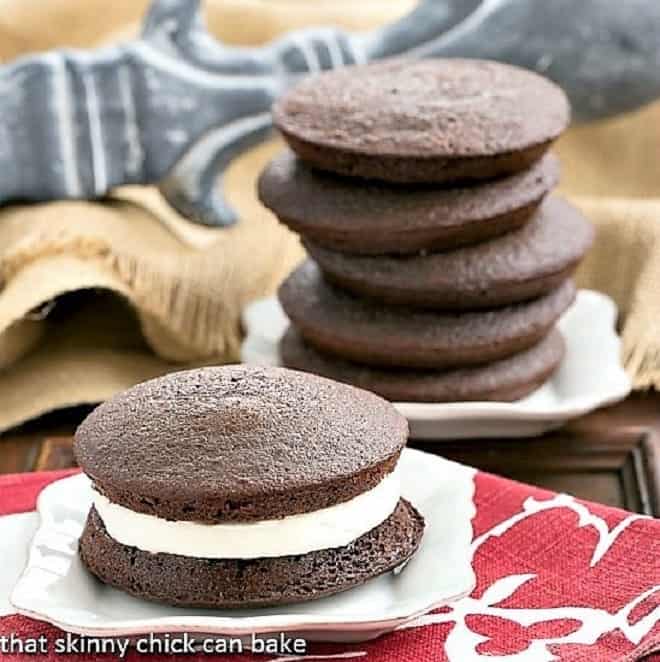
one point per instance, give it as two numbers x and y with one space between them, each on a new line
439 264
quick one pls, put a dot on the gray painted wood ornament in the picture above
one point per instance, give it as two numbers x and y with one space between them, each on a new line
175 106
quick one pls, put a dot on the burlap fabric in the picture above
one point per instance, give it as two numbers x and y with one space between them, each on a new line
183 286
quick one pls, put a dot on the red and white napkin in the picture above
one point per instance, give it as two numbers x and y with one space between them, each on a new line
557 579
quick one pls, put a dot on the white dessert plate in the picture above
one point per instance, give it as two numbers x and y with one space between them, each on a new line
590 376
55 587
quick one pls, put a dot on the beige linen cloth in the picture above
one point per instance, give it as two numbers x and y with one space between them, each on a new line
163 294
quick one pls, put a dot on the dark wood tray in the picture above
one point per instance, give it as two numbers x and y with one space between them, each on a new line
611 456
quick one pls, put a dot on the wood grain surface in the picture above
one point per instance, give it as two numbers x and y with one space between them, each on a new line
611 456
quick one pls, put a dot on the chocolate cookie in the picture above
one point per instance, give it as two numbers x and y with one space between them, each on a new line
261 582
374 218
371 333
244 487
433 120
238 443
518 266
505 380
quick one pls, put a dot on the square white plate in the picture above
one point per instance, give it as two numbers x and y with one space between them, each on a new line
55 587
590 376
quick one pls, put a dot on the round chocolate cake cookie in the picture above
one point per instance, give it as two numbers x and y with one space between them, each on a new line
374 218
505 380
376 334
244 487
518 266
431 120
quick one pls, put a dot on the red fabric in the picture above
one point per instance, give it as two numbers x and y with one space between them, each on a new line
585 565
19 492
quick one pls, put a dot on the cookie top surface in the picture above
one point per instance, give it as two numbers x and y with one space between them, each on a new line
555 238
450 108
379 334
238 443
319 203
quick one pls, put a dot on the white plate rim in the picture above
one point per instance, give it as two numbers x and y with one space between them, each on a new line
226 626
620 382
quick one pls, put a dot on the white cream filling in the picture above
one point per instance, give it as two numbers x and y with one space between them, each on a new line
335 526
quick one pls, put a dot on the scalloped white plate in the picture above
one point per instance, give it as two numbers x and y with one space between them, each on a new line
55 587
590 376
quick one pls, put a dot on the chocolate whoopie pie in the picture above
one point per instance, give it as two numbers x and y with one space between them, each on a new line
374 218
243 487
432 120
505 380
336 323
518 266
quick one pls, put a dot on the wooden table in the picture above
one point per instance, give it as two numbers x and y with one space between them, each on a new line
611 456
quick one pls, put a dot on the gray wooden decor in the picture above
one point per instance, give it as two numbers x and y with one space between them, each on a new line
175 106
